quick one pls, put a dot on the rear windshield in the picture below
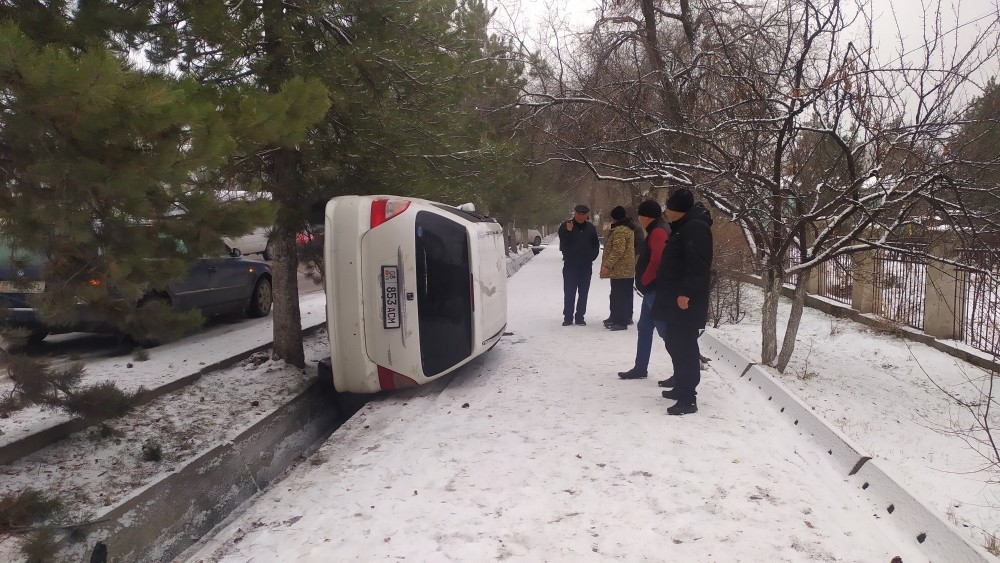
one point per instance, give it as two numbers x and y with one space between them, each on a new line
444 292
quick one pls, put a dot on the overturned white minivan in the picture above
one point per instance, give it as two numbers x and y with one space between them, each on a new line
414 288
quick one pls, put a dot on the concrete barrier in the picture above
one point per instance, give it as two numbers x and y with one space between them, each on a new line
930 535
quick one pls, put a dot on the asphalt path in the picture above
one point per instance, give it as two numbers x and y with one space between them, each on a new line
64 349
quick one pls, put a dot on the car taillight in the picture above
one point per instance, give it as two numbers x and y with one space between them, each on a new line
389 380
384 209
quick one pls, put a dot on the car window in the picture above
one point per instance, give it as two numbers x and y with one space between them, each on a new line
444 293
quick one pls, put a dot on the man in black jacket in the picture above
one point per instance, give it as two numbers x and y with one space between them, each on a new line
580 247
682 292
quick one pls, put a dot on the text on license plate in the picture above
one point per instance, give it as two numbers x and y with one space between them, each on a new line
8 286
390 296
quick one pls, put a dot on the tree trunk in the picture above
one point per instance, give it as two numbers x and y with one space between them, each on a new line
794 318
769 316
285 265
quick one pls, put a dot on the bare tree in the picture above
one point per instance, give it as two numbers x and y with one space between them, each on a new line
785 118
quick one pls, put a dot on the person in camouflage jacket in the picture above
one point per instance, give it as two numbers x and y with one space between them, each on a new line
618 264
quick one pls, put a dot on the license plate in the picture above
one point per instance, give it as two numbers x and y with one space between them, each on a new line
8 286
390 297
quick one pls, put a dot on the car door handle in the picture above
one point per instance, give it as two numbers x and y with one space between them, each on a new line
212 268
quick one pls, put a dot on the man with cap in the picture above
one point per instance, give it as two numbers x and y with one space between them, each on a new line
618 265
682 293
646 267
580 246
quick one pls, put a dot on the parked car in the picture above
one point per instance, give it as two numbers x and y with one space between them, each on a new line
415 289
255 242
214 285
535 237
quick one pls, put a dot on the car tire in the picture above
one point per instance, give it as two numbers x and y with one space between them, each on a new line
36 336
268 254
261 299
537 241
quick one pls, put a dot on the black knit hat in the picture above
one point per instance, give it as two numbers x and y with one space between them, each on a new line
618 213
650 208
681 200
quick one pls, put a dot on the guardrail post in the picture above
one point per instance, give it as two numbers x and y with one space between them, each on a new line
941 310
863 285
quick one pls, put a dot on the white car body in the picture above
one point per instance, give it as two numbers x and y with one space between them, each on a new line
415 289
255 242
534 237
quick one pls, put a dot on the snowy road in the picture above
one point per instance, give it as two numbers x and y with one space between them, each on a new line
538 452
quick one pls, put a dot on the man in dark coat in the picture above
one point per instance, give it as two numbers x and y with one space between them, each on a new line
580 246
682 292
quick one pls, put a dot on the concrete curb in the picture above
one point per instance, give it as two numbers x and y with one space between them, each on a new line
30 444
932 536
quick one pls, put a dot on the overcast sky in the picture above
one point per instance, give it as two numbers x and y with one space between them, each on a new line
898 24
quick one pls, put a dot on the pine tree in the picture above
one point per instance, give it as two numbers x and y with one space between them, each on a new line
390 80
97 159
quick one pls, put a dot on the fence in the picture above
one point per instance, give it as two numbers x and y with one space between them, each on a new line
836 279
900 280
905 286
978 299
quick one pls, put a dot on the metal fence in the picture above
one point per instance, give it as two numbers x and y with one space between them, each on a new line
836 279
900 285
978 301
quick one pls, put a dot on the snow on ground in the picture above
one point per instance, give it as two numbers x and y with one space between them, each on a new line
167 363
537 451
889 396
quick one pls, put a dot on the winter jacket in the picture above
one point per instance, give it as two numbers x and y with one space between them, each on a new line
579 246
619 252
649 260
685 268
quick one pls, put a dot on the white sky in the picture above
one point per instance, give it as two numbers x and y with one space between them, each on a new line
898 24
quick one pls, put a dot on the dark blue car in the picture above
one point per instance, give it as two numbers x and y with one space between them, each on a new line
214 285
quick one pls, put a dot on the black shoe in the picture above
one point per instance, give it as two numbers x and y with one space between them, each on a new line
567 323
668 382
683 408
632 374
581 322
607 322
616 327
670 394
629 322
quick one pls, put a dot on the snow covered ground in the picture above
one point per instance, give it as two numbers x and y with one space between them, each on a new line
537 451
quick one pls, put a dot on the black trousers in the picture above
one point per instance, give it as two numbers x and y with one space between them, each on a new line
682 345
576 286
621 300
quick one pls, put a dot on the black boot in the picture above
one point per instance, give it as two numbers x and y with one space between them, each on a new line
668 382
682 408
567 322
607 322
632 374
670 394
616 327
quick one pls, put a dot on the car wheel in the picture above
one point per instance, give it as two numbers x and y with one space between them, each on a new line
267 252
261 299
538 241
36 336
143 332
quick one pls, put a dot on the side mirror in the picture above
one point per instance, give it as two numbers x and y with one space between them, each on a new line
235 252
